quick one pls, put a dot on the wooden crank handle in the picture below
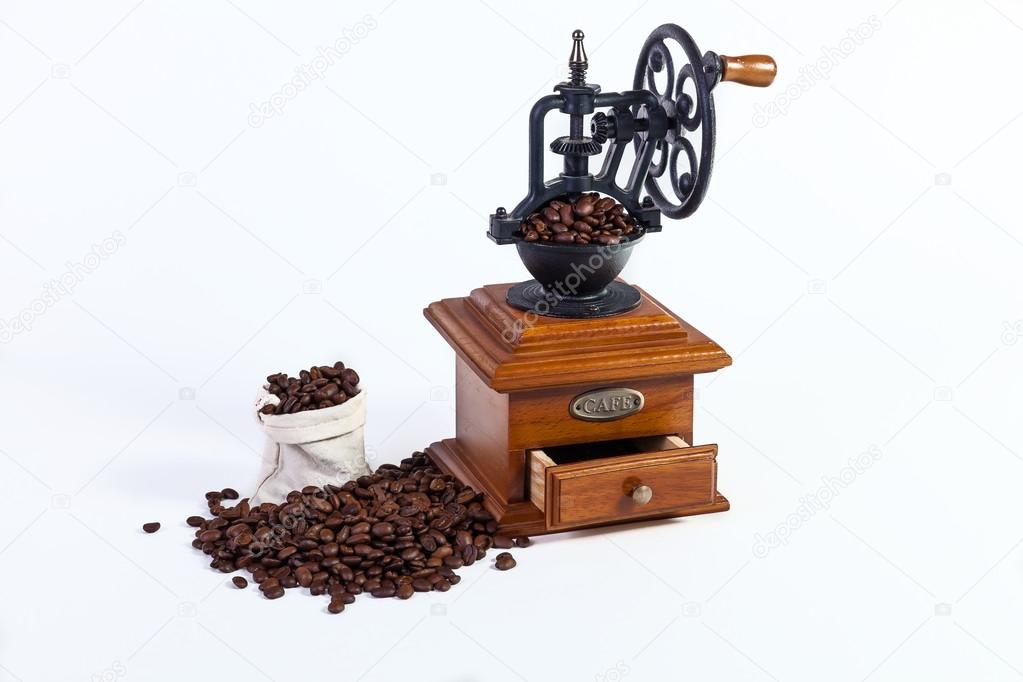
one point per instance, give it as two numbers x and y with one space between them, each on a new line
757 70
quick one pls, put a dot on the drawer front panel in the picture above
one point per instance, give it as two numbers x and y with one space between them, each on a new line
541 418
600 491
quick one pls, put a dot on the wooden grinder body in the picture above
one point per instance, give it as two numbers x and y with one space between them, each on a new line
545 469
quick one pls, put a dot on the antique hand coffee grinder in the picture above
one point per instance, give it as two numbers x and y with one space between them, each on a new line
574 390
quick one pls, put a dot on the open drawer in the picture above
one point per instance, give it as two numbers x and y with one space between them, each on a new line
594 483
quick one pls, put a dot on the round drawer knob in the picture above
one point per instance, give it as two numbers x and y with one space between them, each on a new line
641 494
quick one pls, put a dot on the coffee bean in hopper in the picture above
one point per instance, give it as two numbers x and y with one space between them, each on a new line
587 219
400 530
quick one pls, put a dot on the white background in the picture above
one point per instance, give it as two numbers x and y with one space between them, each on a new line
858 255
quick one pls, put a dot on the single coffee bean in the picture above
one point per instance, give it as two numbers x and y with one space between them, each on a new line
523 541
240 582
151 527
211 535
383 592
336 606
504 561
503 542
195 521
304 576
566 215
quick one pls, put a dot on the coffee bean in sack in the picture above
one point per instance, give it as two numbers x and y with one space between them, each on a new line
400 530
313 389
589 219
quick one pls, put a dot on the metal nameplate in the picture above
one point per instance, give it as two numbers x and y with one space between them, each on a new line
605 404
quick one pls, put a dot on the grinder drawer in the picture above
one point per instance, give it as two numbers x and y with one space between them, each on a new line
583 485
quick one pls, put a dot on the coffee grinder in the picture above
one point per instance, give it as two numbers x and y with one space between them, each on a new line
574 390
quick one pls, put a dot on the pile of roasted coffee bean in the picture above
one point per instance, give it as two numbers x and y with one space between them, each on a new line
589 219
401 530
315 388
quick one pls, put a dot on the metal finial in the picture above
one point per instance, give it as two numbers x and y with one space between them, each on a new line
577 63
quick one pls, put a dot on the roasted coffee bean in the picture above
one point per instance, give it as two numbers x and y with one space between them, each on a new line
336 606
195 521
383 592
523 541
274 592
504 561
581 219
151 527
344 540
428 542
304 576
210 535
240 582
